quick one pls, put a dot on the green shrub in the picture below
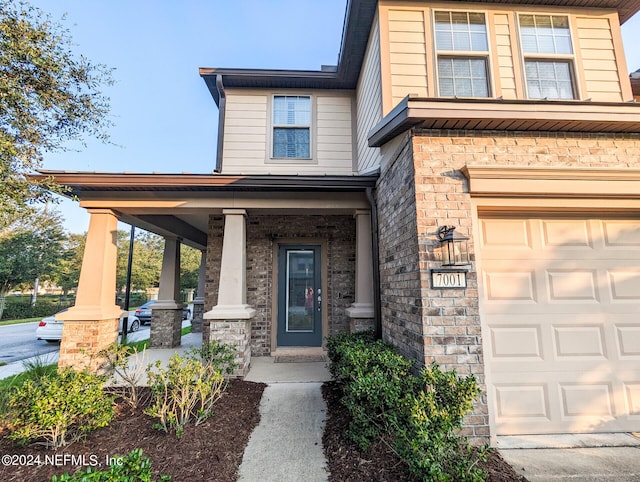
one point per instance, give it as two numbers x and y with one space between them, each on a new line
221 356
133 467
185 390
422 415
126 366
58 409
20 307
427 426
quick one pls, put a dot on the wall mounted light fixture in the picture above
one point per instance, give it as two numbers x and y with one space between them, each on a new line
454 248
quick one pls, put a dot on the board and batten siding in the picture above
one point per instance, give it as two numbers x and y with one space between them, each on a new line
408 65
407 54
599 61
247 135
369 103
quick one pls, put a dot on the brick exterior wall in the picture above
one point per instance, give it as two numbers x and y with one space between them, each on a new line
81 340
444 325
263 233
166 328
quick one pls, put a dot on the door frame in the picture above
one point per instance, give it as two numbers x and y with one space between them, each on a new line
277 242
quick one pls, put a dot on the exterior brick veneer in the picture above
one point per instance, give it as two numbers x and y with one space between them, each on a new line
166 328
82 339
196 319
421 188
263 233
238 335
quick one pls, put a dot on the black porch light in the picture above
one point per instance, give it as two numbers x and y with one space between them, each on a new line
453 247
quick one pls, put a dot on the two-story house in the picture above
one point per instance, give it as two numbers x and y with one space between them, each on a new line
513 122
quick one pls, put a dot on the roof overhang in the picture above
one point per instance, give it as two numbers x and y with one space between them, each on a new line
179 205
359 18
509 115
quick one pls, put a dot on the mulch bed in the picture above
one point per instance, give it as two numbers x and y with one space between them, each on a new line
210 451
213 451
378 463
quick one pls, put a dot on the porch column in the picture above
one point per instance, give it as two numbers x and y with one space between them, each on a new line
231 316
361 312
198 303
92 324
166 313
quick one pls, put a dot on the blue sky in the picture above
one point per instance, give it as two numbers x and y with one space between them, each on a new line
165 119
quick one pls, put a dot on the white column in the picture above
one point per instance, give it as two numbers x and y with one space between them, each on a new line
169 290
232 291
96 296
363 305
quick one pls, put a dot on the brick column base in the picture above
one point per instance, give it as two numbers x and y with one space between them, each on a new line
196 319
237 334
166 328
361 324
82 340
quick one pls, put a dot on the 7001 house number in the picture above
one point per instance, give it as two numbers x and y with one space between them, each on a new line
448 279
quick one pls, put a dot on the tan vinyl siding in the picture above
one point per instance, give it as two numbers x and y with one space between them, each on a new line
245 132
599 59
247 135
407 54
334 148
506 74
369 102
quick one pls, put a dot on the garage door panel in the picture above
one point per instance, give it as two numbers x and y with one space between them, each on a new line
561 305
579 285
624 284
628 337
509 342
579 341
567 234
506 233
515 286
624 233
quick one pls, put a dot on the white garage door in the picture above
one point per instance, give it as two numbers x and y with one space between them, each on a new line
561 323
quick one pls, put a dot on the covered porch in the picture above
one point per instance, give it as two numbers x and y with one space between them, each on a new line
286 260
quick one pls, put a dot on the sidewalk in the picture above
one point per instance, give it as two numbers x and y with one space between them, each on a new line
288 439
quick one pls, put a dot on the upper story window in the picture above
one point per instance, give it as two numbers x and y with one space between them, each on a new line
463 54
291 127
548 56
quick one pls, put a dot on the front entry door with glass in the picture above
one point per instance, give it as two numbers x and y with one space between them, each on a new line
300 297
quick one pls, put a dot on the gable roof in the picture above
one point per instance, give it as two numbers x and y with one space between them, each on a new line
359 18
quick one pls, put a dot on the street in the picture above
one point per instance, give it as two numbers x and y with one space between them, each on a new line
18 342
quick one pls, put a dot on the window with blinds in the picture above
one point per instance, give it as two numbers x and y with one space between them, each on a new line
548 56
291 127
463 54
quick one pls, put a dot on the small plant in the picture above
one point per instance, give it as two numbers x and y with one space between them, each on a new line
133 467
185 390
58 409
125 365
218 354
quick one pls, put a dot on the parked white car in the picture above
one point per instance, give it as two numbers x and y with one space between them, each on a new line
50 329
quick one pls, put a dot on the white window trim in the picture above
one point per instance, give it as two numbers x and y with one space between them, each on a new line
312 159
570 58
462 53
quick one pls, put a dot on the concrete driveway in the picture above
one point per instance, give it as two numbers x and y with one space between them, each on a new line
574 458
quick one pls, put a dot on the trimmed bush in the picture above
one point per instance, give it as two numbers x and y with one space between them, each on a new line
421 414
58 409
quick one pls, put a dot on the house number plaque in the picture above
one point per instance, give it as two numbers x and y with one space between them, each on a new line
448 279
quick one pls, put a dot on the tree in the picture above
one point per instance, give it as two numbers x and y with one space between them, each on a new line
29 248
66 273
48 96
147 260
189 267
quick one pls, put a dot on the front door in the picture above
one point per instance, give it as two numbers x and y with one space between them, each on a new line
300 298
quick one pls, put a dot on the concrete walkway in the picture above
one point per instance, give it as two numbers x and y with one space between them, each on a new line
287 443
